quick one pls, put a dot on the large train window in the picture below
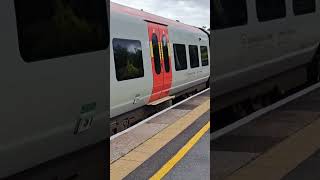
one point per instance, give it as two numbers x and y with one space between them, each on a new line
301 7
55 28
128 59
180 57
166 53
194 56
204 55
270 9
156 54
229 13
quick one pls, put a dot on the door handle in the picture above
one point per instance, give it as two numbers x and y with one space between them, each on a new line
244 39
136 99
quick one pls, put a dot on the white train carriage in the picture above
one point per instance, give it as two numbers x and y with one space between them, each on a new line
256 40
53 84
153 59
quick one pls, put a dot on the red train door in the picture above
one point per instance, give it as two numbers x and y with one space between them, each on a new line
161 61
166 59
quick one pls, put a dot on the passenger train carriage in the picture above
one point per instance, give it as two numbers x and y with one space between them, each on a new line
53 88
153 60
259 45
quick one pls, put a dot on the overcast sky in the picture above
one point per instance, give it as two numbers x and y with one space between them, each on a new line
192 12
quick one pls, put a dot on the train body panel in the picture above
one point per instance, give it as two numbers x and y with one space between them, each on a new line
43 99
125 91
192 76
154 39
263 44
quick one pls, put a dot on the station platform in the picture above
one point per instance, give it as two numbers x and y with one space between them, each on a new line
174 144
282 144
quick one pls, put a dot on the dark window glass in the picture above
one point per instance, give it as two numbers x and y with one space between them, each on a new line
229 13
204 55
56 28
166 53
180 57
156 54
127 59
194 56
304 6
270 9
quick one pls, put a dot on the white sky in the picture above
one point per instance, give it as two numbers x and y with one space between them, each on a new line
192 12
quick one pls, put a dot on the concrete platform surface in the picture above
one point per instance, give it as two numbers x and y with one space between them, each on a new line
141 151
281 144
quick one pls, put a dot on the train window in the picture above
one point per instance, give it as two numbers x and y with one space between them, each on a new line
194 56
270 9
304 6
229 13
56 28
204 55
180 57
156 54
128 59
166 53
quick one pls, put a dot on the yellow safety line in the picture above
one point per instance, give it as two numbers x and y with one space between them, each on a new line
137 156
182 152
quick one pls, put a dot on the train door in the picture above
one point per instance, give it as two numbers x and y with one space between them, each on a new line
166 65
161 61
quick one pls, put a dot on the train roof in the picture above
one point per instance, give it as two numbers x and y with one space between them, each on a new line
151 17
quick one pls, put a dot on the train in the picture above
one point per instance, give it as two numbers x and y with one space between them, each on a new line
56 69
54 100
262 46
152 61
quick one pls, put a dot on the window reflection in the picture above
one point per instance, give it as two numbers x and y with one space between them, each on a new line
55 28
180 57
128 59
